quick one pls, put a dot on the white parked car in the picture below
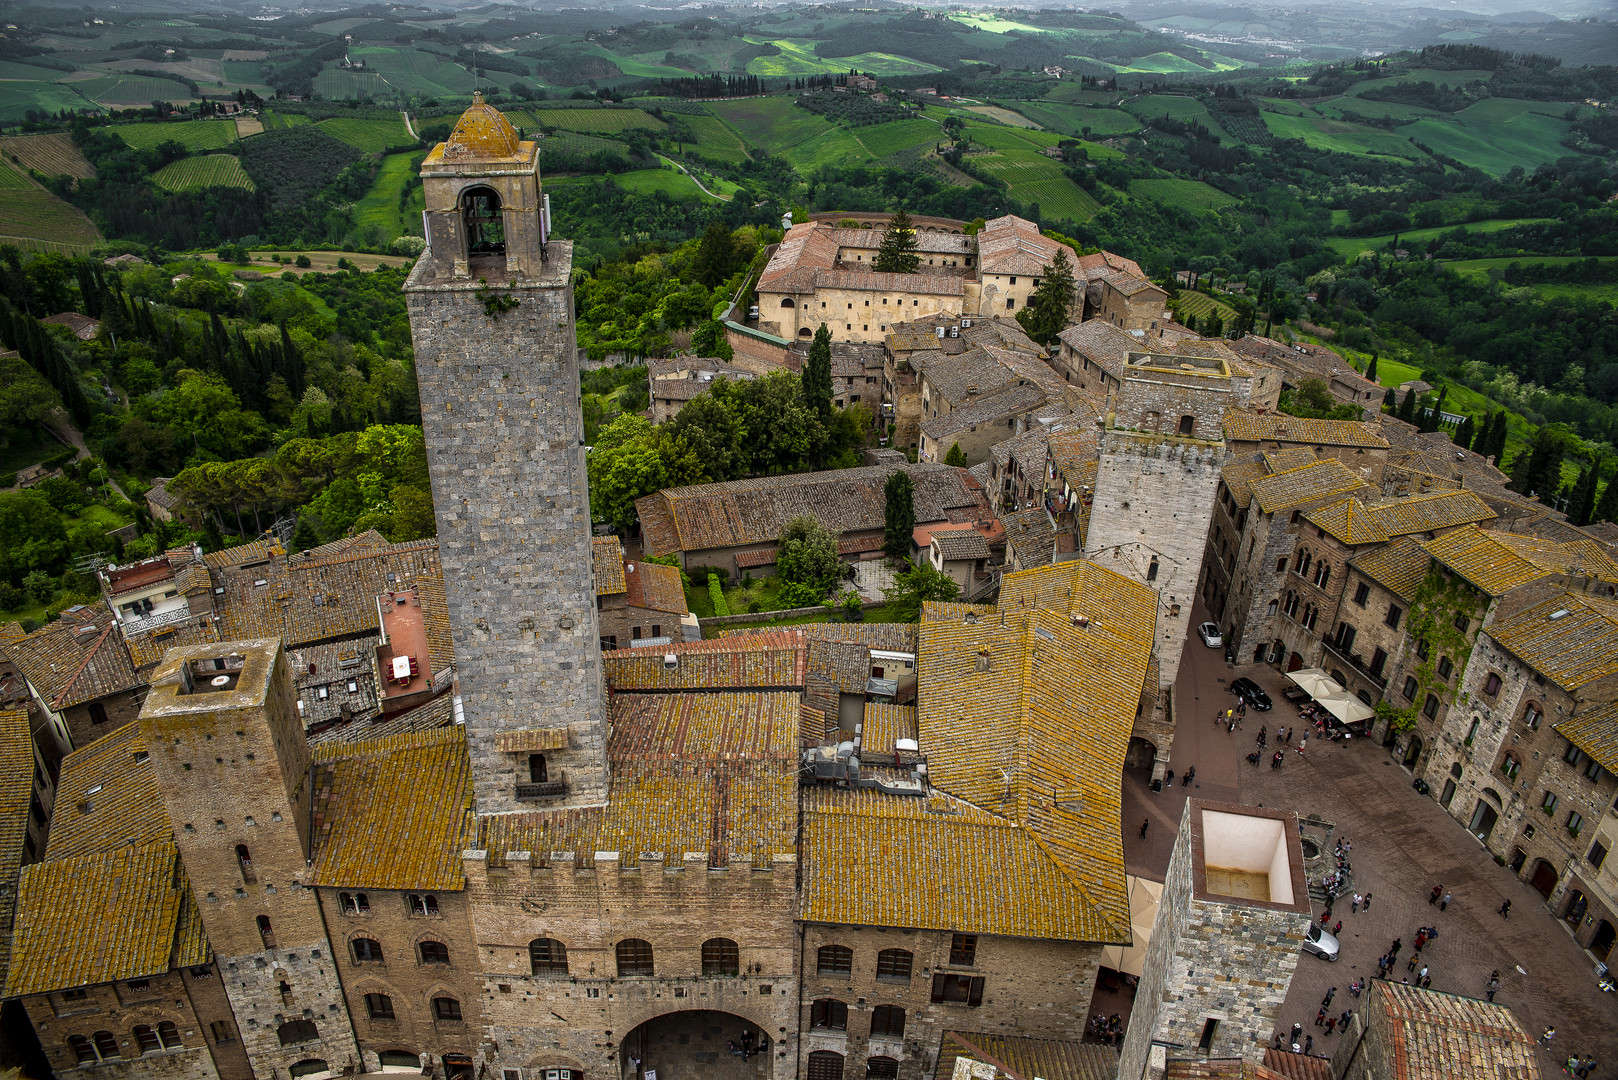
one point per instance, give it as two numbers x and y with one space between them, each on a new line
1209 633
1321 943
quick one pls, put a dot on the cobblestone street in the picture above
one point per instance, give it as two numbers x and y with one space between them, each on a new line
1403 845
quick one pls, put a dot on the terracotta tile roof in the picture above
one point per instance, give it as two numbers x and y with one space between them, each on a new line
607 555
395 812
1217 1069
160 495
1595 731
1239 477
1290 1066
1102 343
435 714
1291 457
16 796
1498 562
1438 1036
805 250
1106 260
1012 400
1073 450
1429 513
1001 331
1030 535
745 512
1241 426
83 326
926 242
1294 487
856 844
77 658
105 797
885 725
255 551
965 543
1348 521
1399 566
1013 245
1571 639
146 649
756 724
656 587
871 281
1023 1057
756 660
889 637
976 373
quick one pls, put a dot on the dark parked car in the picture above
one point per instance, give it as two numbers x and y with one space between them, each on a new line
1250 692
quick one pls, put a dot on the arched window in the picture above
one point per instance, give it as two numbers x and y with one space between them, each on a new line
1151 571
354 903
1532 715
786 302
482 224
367 949
423 904
829 1014
82 1050
379 1007
446 1008
434 952
168 1035
145 1039
720 957
806 332
297 1031
894 964
266 932
1510 766
106 1044
634 957
244 862
834 960
537 773
888 1020
399 1059
825 1065
881 1068
547 956
1303 564
1188 424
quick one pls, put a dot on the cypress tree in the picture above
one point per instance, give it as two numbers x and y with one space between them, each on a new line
817 374
899 515
897 253
1465 433
1582 503
1370 371
1607 507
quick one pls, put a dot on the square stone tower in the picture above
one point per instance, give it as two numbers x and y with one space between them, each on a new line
491 315
1232 920
227 748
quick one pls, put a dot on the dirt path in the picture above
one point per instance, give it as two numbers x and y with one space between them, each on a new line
62 428
694 180
408 125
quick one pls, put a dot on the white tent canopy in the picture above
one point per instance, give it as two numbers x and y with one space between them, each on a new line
1330 695
1144 896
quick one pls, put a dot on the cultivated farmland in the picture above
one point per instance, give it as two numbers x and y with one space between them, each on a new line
48 155
192 134
371 136
35 219
209 170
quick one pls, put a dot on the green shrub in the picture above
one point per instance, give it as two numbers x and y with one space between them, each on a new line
717 595
7 479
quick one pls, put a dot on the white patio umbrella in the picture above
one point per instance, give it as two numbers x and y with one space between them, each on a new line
1315 682
1144 897
1350 710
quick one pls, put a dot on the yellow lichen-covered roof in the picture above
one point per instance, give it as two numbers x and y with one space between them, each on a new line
97 918
1498 562
1242 426
607 554
885 725
1429 513
716 727
1398 566
1595 731
1437 1036
1348 521
773 658
482 132
1024 1057
1291 457
1581 558
16 795
1571 639
106 796
860 846
1239 477
191 946
1294 487
395 812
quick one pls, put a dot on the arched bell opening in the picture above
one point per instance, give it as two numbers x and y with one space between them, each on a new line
482 223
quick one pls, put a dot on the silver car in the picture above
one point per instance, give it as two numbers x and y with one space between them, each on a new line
1209 633
1321 943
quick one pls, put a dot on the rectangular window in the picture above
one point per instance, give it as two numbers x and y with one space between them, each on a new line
1511 767
1410 688
958 989
1430 708
1575 822
1532 716
220 1030
1209 1026
1379 660
1362 594
1491 685
1571 754
1462 622
1395 612
1445 666
1598 854
1280 565
1548 803
1592 770
1421 648
963 950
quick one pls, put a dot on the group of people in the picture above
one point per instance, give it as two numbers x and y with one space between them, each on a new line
1231 719
1108 1030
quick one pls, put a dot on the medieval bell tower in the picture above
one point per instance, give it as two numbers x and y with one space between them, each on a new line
491 316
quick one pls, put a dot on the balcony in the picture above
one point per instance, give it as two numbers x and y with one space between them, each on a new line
146 623
1354 661
550 789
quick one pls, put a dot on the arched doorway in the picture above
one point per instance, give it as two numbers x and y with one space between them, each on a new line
1294 662
1141 754
1577 905
1544 878
399 1061
1601 944
1483 820
1413 751
700 1044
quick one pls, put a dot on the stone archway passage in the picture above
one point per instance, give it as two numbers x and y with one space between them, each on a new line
1601 944
695 1045
1544 879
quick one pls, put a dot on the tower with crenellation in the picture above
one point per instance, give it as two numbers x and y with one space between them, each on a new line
491 316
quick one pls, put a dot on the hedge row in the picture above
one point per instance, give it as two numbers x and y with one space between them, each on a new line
717 596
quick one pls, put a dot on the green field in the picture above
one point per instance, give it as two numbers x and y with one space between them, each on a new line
11 179
590 121
132 90
1179 107
37 220
1494 144
337 84
273 120
1350 246
1200 304
1074 119
209 170
797 57
773 124
573 144
412 71
1322 133
1190 194
17 98
1480 267
371 136
393 206
1432 75
192 134
1165 63
1035 178
715 139
849 146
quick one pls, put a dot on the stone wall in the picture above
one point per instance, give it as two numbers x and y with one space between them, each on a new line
119 1008
118 709
500 409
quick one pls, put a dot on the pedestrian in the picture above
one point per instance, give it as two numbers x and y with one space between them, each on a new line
1190 774
1505 910
1355 906
1410 965
1275 762
1426 982
1367 901
1587 1065
1331 1024
1348 845
1143 826
1342 1021
1355 987
1337 928
1494 984
1421 938
1397 945
1444 903
1168 778
1308 1044
1438 890
1320 1018
1297 1033
1545 1039
1423 973
1329 995
1303 743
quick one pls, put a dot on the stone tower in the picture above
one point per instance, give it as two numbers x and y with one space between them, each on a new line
1229 928
227 748
1161 449
491 315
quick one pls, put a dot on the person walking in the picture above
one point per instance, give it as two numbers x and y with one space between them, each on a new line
1331 1024
1190 775
1337 928
1437 892
1320 1018
1168 778
1143 826
1355 906
1545 1039
1303 743
1444 902
1398 944
1367 901
1326 1004
1505 910
1297 1033
1494 985
1308 1044
1426 982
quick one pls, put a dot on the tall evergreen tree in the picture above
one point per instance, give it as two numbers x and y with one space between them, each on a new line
1370 371
1497 438
817 374
1542 474
1607 506
1465 432
1582 503
1051 306
897 252
899 515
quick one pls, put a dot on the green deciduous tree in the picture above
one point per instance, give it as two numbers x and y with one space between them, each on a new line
898 515
33 534
897 252
1050 308
807 556
630 460
916 586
